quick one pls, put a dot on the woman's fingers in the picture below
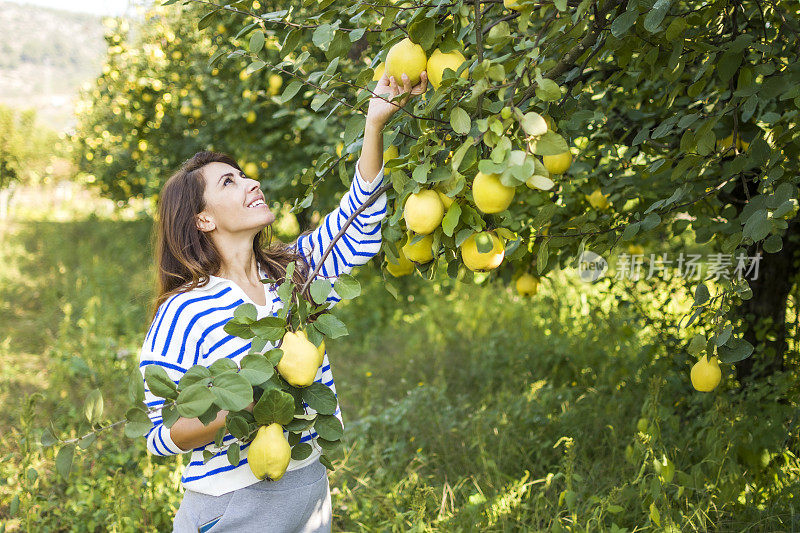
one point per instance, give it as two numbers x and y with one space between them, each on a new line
422 86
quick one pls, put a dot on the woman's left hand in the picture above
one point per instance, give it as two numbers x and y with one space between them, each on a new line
380 110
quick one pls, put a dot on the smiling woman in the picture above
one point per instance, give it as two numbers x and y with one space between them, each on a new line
210 259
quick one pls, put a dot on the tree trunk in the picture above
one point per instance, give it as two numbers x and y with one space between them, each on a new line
764 315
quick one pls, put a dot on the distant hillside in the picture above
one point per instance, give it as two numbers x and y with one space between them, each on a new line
45 55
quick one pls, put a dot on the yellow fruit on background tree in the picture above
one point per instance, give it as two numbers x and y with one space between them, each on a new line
440 61
275 82
251 170
423 211
403 267
406 57
390 153
490 195
527 285
705 374
597 199
482 261
557 164
269 453
419 252
635 249
300 360
512 4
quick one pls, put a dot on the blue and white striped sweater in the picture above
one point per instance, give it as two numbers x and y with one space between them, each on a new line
188 330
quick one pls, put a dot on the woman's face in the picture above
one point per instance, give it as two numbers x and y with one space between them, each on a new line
234 202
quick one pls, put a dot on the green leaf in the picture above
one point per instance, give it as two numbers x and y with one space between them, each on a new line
701 294
323 35
138 423
422 32
237 426
300 424
237 329
548 90
773 244
353 128
301 451
221 366
207 19
159 382
450 220
194 400
320 290
483 242
757 226
232 391
320 397
256 41
136 386
460 121
533 123
542 257
347 287
256 369
330 326
233 454
723 336
650 221
328 427
290 90
325 461
246 313
653 19
291 41
195 374
728 64
550 143
64 460
734 350
697 344
93 406
269 327
623 23
274 406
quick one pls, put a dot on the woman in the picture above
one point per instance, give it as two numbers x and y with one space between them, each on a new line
210 260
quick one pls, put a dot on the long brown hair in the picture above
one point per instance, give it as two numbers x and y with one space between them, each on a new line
184 254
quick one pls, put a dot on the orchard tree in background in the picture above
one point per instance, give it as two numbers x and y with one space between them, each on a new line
657 123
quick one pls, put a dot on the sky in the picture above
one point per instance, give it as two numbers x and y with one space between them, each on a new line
95 7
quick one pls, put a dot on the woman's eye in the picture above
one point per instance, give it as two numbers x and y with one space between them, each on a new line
226 181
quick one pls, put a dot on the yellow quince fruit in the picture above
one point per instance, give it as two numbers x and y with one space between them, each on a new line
490 195
423 211
300 360
557 164
597 199
527 285
419 252
705 374
482 261
439 61
269 453
406 57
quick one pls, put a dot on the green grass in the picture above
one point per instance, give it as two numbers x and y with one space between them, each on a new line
465 407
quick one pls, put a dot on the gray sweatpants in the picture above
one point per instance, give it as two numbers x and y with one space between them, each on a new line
299 502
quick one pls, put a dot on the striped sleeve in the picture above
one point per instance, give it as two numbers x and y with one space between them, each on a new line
170 344
361 240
